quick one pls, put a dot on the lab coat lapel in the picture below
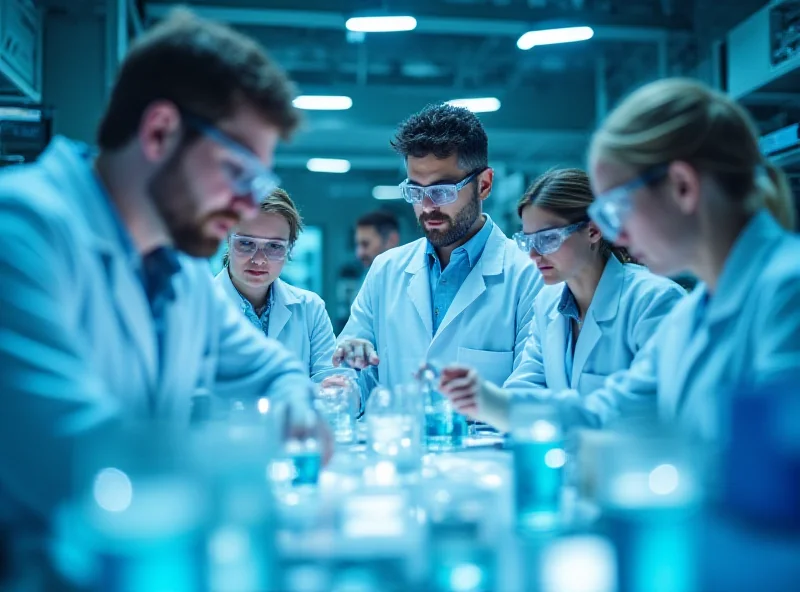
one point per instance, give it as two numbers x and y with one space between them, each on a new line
133 308
604 307
66 161
587 340
554 350
419 287
177 331
490 263
280 314
472 287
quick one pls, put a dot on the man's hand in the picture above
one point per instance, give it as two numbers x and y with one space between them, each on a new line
302 422
357 353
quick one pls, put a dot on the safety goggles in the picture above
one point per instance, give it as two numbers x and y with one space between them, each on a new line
274 249
547 241
247 176
440 195
611 209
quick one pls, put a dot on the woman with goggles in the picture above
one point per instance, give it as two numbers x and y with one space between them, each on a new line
681 182
595 313
257 252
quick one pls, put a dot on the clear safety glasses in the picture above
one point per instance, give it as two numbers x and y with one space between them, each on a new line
247 174
547 241
611 209
248 246
440 195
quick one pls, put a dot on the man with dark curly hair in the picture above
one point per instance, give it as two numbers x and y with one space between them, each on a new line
464 293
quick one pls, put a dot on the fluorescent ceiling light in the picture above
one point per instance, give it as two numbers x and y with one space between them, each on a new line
552 36
381 24
323 102
479 105
328 165
386 192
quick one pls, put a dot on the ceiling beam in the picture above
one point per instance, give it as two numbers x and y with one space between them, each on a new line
439 25
395 165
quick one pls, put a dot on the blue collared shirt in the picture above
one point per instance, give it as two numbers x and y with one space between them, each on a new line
446 283
259 321
569 309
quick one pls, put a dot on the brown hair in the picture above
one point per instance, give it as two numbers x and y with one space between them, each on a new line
203 67
681 119
279 202
567 193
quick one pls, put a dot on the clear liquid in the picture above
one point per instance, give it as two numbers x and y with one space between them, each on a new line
306 467
397 437
334 408
537 486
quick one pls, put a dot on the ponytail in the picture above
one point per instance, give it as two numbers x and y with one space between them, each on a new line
608 249
774 193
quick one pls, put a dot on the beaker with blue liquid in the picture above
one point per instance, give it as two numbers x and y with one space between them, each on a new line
445 428
538 458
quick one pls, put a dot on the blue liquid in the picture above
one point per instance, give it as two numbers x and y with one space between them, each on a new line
458 560
655 549
445 430
306 468
537 486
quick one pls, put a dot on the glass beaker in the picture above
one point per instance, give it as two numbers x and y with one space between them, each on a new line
393 418
538 451
338 399
649 494
445 428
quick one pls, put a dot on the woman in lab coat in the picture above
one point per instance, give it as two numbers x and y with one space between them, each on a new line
257 252
596 311
681 182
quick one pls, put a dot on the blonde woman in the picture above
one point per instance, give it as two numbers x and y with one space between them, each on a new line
257 252
681 183
596 312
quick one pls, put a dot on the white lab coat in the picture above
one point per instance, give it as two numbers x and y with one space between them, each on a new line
298 320
626 309
747 333
78 347
486 326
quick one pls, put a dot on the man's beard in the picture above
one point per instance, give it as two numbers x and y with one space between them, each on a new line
456 229
170 191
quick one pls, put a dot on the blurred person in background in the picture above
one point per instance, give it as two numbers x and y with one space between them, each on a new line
681 183
108 312
376 233
257 251
463 293
597 310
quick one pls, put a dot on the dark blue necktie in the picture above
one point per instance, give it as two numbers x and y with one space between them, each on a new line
158 268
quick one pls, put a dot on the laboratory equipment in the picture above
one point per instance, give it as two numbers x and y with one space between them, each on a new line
298 458
445 428
462 556
338 400
649 494
538 453
394 417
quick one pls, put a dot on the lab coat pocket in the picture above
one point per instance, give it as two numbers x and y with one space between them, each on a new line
589 383
493 366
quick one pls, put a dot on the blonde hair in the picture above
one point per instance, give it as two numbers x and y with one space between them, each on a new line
279 202
567 193
681 119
